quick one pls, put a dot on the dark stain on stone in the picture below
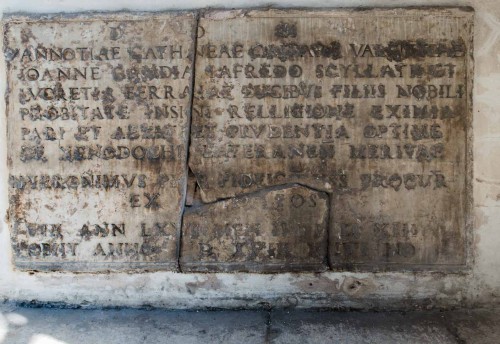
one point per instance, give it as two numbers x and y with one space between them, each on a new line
286 30
26 35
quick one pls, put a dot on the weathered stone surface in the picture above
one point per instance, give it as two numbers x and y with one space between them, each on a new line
372 106
281 230
98 114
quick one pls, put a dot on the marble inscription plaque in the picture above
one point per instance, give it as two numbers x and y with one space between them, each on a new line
370 106
279 230
98 114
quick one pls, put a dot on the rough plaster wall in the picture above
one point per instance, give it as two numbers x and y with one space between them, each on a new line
358 290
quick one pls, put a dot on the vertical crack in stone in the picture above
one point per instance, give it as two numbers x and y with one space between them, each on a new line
372 109
98 126
188 145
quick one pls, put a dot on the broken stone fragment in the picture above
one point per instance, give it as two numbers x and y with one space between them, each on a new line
279 230
98 124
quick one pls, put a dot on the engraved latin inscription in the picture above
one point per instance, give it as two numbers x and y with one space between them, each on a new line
372 107
284 229
98 115
319 139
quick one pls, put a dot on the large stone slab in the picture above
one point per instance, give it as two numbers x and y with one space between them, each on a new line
280 230
372 106
98 113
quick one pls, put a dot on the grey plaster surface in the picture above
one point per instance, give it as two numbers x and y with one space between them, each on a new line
71 326
57 326
329 327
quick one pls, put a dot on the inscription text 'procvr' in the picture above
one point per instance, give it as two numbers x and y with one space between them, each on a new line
317 140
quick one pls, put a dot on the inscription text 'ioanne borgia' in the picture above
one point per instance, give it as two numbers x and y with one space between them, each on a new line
332 139
98 117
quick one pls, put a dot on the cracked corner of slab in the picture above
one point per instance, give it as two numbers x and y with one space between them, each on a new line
278 229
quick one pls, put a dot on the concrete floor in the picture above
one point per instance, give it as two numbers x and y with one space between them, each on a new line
129 326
